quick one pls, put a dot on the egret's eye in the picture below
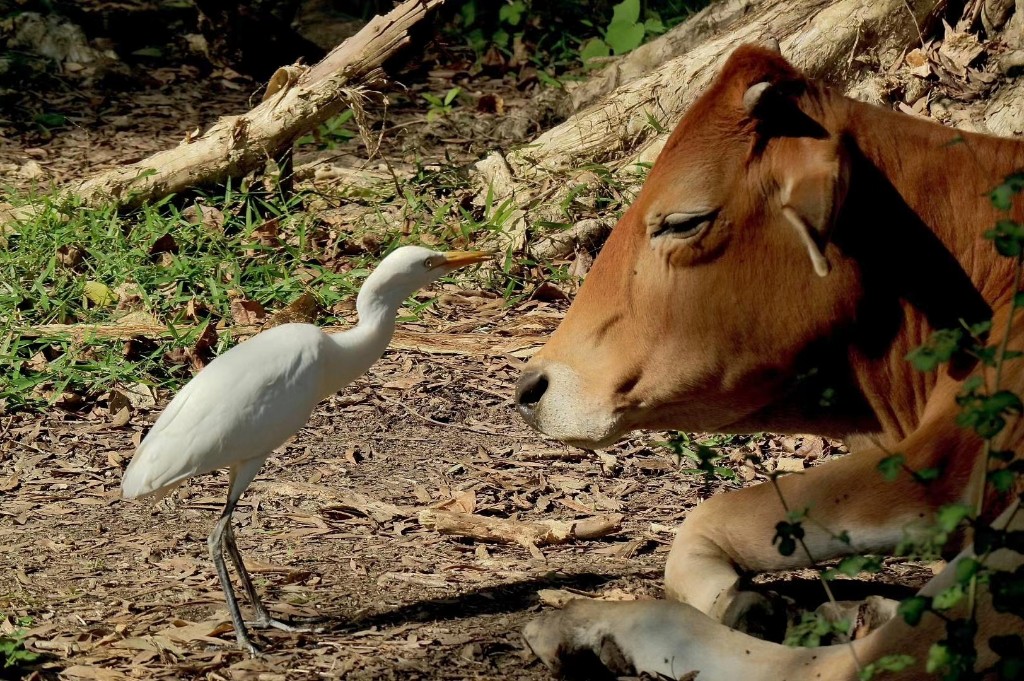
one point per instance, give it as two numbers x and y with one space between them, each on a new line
430 263
684 225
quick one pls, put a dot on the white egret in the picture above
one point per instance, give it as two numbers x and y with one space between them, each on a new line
251 399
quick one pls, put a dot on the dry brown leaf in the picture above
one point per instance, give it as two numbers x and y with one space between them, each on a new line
303 309
10 483
188 632
164 244
247 312
492 104
268 234
121 418
209 217
549 292
37 362
139 395
463 502
81 671
154 643
70 256
919 63
559 598
789 464
960 48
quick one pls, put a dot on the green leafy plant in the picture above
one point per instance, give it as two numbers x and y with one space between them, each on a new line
705 457
331 133
66 265
556 36
625 32
441 106
811 631
887 663
13 654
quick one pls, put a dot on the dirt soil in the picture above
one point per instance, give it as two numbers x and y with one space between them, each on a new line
119 589
122 589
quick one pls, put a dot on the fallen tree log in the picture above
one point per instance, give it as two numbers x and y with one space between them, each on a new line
298 99
625 130
528 534
823 38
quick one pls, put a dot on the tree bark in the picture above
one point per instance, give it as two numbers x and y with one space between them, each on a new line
297 100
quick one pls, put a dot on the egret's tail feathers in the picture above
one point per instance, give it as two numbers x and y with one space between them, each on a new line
132 489
134 483
141 480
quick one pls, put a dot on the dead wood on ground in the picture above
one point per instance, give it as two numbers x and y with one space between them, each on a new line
528 534
468 344
626 129
298 100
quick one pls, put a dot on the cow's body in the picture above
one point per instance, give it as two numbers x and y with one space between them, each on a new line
788 250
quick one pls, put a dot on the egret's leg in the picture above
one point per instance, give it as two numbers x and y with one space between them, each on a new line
241 477
216 544
243 574
263 619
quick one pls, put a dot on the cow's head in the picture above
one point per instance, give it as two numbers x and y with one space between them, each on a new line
718 281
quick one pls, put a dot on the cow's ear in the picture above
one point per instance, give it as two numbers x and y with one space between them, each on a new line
813 186
775 109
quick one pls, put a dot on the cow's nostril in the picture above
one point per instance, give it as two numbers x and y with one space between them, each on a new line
530 389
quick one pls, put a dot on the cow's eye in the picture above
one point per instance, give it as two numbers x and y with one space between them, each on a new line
684 225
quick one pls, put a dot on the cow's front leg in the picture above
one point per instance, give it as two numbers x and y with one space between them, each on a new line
665 639
733 533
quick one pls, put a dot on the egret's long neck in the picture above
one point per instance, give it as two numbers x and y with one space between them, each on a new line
358 348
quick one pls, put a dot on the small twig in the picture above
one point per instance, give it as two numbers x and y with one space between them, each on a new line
913 19
525 533
457 426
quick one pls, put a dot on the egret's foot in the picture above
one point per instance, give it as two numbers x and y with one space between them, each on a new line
246 644
270 623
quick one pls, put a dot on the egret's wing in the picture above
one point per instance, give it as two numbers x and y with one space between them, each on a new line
242 406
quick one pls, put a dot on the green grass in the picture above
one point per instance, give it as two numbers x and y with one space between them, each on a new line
73 265
120 272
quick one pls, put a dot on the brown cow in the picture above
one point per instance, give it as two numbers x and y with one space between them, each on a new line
788 249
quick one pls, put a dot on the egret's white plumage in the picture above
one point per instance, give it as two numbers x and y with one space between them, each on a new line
251 399
248 400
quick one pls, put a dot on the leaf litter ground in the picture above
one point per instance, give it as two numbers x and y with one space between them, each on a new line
114 590
126 590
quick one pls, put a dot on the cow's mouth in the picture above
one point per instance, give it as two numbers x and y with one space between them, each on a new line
573 434
552 400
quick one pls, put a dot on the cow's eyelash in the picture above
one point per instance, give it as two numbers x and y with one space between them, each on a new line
681 225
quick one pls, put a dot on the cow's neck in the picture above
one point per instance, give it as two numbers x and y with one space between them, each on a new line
917 213
944 175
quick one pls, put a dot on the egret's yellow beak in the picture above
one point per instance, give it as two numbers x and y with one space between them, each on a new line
454 259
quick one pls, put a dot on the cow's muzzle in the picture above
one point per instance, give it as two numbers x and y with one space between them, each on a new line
529 391
551 398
